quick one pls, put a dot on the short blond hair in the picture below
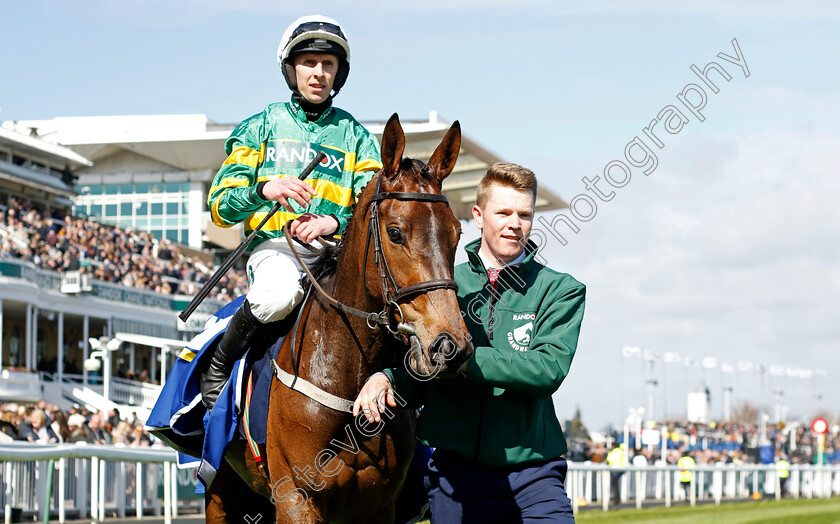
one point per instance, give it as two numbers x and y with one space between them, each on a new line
508 175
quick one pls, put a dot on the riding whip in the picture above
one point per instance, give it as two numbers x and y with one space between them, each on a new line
211 283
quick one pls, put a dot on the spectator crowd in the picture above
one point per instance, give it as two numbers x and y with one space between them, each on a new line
110 254
45 423
713 443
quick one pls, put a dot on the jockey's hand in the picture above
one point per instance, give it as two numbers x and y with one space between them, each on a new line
308 227
288 187
372 398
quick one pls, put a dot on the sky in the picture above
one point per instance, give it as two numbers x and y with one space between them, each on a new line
728 249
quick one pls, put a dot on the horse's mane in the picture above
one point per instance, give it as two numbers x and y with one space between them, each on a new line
327 261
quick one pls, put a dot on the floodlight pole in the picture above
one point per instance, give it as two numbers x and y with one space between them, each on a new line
727 403
652 383
106 372
164 353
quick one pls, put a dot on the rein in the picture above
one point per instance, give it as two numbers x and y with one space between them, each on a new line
375 320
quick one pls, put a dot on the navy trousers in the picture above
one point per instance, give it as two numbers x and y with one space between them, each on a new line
462 491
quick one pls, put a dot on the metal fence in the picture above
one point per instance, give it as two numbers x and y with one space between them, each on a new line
601 485
97 481
87 481
131 392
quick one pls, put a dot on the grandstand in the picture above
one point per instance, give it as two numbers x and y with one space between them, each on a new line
65 280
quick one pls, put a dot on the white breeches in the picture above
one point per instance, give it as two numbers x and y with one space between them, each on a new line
274 279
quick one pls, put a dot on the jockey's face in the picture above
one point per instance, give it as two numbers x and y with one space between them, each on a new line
315 73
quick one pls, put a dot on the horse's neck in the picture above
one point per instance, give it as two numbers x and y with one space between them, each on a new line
342 351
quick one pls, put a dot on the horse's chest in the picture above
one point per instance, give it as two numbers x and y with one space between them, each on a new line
360 461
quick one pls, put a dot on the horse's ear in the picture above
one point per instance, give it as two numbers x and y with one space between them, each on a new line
444 158
393 145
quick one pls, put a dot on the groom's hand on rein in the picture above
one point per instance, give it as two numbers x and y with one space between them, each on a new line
372 397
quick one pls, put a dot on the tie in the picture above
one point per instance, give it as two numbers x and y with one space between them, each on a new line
493 275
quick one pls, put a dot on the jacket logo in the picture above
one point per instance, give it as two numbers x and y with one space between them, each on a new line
520 338
524 316
287 154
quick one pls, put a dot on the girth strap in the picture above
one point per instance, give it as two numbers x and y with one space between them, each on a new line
311 390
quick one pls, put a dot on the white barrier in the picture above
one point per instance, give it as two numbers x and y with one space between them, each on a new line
94 481
590 484
131 392
97 480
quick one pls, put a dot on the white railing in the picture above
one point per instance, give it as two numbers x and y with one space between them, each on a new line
94 481
127 395
592 484
133 393
100 481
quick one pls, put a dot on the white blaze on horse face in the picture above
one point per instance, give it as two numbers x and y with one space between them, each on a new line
505 222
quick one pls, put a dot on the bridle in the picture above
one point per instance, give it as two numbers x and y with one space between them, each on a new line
392 293
386 279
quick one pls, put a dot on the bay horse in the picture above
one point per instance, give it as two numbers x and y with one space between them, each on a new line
323 464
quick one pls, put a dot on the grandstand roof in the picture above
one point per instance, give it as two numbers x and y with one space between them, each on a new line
29 161
34 178
36 145
194 142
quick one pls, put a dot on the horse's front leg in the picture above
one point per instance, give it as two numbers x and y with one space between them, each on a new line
295 514
292 504
229 499
383 516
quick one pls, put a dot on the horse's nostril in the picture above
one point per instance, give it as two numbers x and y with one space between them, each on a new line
442 347
442 352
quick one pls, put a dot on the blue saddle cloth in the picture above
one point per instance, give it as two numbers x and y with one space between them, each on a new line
180 419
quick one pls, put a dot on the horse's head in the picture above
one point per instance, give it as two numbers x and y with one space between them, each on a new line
419 237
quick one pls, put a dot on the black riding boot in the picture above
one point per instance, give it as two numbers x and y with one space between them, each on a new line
235 341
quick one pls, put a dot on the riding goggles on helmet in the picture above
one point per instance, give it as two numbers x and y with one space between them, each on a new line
315 27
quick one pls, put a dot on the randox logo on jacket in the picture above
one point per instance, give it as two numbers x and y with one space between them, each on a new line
287 154
520 338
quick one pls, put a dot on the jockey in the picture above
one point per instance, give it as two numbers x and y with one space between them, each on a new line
266 153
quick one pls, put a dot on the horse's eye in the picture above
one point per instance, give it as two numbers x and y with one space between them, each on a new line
395 235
